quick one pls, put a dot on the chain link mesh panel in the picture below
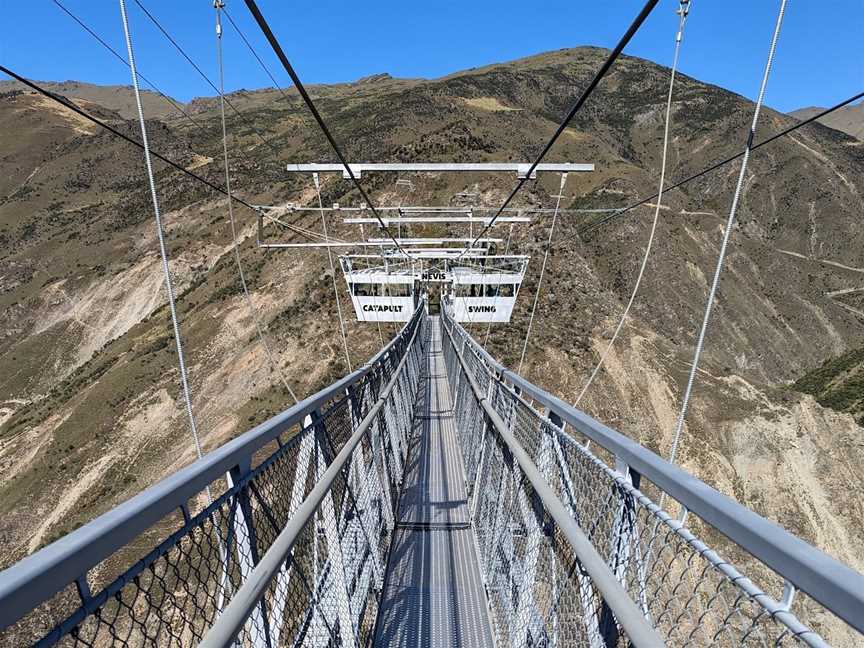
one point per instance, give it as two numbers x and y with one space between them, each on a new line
537 591
329 586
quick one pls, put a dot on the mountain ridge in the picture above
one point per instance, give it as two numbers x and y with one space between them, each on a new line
92 412
849 119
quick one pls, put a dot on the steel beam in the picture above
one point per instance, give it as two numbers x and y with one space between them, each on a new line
520 168
435 241
387 220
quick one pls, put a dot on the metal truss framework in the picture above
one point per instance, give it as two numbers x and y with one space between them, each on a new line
541 595
572 549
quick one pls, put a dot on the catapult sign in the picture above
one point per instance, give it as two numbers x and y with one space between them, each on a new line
382 308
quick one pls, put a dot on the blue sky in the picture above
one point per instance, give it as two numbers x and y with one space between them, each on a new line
819 60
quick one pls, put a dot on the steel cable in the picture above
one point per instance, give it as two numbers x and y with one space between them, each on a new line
498 288
280 54
607 64
150 83
333 274
187 396
542 271
117 55
683 10
618 213
66 103
183 53
234 241
728 232
254 53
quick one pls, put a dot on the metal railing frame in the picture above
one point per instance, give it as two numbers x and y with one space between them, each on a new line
224 631
38 577
826 580
637 628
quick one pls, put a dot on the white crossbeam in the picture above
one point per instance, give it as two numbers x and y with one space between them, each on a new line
437 219
520 168
433 241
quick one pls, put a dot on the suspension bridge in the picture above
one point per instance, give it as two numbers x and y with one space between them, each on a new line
432 496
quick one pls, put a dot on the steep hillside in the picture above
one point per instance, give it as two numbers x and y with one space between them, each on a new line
91 405
118 99
838 384
849 119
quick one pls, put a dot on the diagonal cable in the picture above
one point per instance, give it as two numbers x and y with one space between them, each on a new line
332 273
542 271
274 43
618 213
203 75
607 64
255 54
66 103
118 56
150 83
726 235
184 379
683 10
498 287
234 241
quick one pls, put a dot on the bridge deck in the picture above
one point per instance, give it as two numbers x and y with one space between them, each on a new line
433 595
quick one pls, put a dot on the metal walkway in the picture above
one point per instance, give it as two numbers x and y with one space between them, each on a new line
433 594
430 498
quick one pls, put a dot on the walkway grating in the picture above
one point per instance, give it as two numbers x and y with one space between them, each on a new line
433 595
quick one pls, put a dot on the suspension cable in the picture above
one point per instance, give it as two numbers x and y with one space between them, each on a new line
683 10
310 234
204 76
277 48
726 235
607 64
66 103
254 53
333 274
118 56
542 271
162 249
618 213
218 5
141 76
177 106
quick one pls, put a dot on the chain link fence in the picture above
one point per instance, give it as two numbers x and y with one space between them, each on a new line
329 586
539 594
332 470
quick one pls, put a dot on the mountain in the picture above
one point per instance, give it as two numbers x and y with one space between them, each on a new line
849 119
91 407
118 99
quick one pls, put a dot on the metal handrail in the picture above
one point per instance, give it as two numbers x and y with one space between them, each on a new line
36 578
232 619
826 580
637 628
